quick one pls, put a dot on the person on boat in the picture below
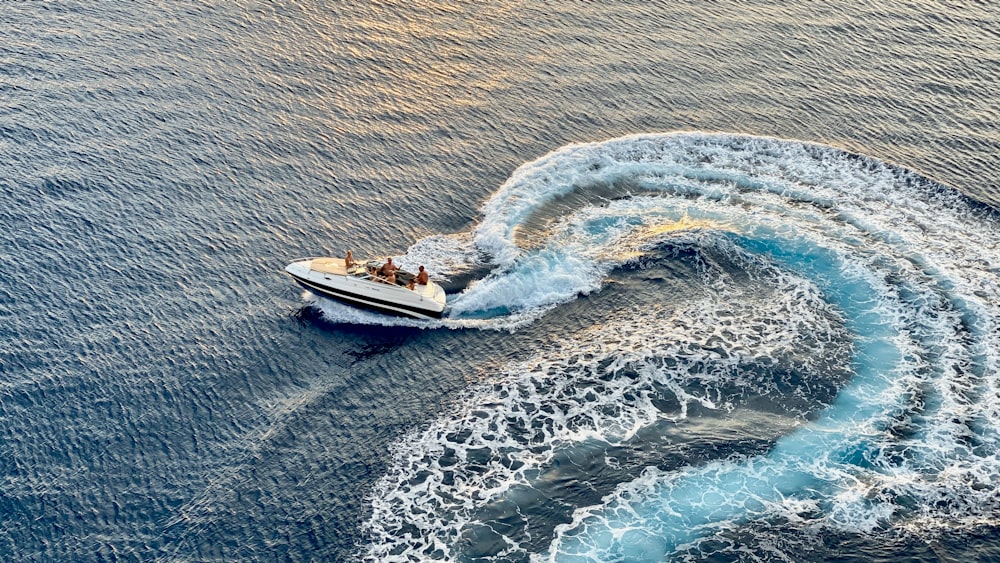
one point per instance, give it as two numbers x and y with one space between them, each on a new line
422 277
391 277
389 267
349 261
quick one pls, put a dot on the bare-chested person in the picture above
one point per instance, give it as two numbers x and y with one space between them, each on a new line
389 267
422 277
388 271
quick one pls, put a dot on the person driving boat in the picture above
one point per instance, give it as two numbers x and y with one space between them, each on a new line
389 267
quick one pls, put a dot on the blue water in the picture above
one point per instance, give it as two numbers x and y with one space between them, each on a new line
724 281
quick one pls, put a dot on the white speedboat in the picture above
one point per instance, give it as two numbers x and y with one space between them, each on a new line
362 285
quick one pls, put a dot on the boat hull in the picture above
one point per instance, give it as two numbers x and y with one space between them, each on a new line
423 302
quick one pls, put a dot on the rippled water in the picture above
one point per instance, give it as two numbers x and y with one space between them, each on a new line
776 342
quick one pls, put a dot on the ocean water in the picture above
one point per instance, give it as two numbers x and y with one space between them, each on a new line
724 281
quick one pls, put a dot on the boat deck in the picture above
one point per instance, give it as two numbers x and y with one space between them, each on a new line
329 266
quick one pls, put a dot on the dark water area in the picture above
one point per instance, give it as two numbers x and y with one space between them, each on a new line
688 247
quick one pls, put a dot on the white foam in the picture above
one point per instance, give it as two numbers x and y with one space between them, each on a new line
599 387
442 255
908 446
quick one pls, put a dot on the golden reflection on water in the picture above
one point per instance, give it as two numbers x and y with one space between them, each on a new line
423 53
685 223
639 239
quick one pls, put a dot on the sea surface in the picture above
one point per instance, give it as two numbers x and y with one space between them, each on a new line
723 275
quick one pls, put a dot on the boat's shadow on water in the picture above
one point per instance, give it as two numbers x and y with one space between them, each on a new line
376 339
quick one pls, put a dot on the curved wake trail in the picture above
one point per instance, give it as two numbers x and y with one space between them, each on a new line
809 261
826 462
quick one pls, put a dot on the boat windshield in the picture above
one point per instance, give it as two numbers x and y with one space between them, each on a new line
362 269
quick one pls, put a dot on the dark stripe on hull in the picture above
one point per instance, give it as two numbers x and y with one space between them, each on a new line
370 303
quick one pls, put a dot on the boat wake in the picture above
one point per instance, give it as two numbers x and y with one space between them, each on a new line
830 368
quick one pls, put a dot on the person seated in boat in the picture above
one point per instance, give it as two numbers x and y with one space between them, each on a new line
389 267
349 261
412 285
422 277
